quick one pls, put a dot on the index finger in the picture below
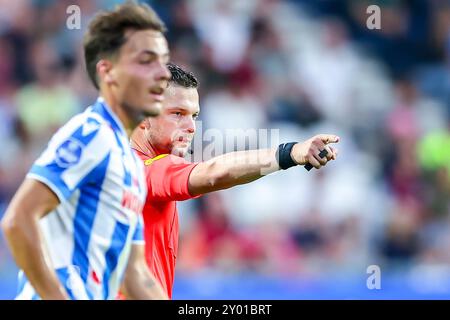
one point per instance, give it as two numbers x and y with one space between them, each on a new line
329 138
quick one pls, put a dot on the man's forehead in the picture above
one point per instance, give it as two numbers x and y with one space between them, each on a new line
174 90
177 96
139 40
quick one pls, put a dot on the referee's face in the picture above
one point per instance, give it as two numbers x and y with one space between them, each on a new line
139 76
173 130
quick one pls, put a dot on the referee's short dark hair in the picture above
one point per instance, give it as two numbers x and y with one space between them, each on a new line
106 32
182 77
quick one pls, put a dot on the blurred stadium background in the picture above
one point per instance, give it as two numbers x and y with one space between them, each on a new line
303 67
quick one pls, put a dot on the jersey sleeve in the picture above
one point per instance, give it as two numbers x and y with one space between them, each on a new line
168 177
73 156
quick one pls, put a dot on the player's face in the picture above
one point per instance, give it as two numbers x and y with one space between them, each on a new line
172 131
139 75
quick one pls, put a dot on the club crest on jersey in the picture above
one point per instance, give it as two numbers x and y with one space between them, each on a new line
69 153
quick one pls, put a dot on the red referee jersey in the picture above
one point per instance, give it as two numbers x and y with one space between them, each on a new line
167 180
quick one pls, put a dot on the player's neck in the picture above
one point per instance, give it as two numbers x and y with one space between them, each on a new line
125 119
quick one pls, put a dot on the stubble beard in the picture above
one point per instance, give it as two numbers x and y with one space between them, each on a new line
180 151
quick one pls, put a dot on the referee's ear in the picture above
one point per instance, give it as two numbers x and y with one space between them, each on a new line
145 124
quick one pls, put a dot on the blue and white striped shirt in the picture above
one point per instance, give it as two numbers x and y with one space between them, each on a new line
101 187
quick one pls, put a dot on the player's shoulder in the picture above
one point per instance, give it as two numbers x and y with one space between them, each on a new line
103 129
84 128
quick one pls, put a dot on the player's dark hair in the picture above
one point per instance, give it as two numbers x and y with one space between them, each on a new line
182 77
106 32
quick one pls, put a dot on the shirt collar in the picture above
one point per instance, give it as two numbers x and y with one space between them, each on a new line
105 111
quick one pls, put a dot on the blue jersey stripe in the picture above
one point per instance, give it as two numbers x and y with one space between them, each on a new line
113 253
63 276
22 281
101 109
85 139
85 216
139 232
127 174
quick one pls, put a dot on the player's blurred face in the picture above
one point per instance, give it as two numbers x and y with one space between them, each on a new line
172 131
138 75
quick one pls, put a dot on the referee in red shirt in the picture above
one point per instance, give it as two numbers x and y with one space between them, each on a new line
163 141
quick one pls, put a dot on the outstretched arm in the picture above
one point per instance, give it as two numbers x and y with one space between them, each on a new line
242 167
20 225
